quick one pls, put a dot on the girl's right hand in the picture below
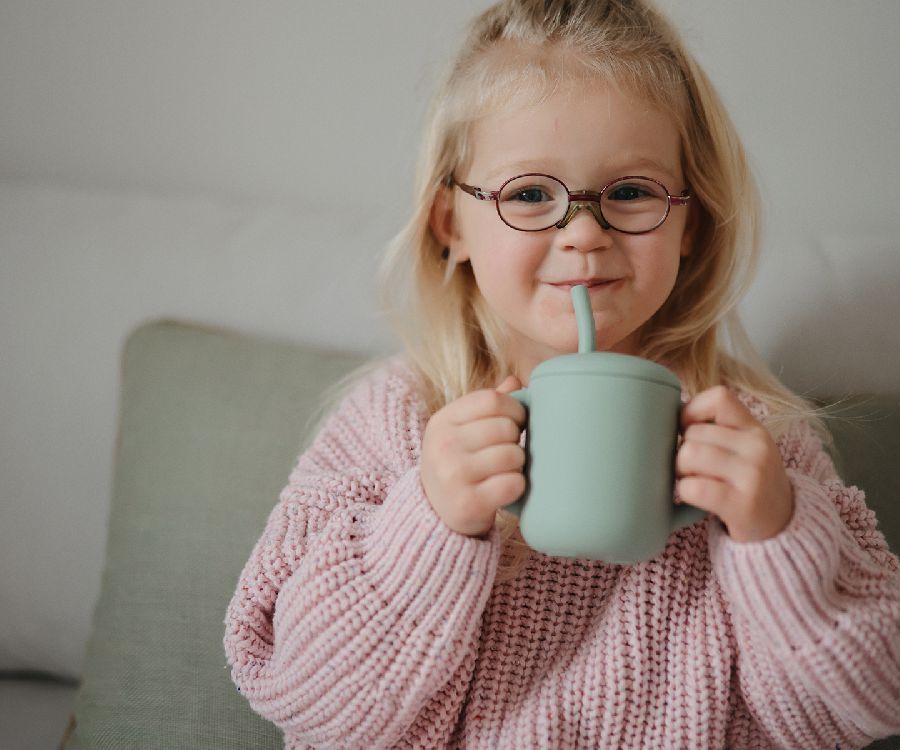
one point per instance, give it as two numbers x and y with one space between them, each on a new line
471 458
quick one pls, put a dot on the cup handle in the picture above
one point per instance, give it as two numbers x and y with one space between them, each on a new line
684 514
523 397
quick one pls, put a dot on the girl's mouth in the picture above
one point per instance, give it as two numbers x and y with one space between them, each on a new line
596 284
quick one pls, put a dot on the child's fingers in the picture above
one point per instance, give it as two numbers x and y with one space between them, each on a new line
495 459
508 384
481 433
501 489
487 402
749 446
728 438
729 465
705 459
708 494
718 405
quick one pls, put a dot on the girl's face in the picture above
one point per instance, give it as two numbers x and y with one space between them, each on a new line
586 137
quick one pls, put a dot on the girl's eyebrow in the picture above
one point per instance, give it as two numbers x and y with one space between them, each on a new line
629 165
545 166
642 162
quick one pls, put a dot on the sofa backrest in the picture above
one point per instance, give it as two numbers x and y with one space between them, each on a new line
210 424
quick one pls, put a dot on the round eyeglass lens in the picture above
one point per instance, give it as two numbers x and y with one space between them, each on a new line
533 202
634 204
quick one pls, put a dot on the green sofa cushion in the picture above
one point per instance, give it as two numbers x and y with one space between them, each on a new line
866 452
210 425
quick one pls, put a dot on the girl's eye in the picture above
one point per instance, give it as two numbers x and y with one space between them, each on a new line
531 195
532 192
627 193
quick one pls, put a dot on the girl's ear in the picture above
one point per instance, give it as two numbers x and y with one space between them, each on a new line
442 220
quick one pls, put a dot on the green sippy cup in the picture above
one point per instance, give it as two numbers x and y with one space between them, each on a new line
599 453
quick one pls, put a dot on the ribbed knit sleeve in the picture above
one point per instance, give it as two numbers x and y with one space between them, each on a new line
816 611
358 607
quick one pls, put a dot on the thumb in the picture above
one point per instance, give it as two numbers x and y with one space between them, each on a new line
511 383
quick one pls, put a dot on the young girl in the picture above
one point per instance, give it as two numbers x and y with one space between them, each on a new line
391 601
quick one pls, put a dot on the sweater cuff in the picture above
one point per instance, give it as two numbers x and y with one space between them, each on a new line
411 554
783 588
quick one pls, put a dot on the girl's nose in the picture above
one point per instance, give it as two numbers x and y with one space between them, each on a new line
584 230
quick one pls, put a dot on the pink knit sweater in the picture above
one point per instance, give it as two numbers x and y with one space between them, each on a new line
362 621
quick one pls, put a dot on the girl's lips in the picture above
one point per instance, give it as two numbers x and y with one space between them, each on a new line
598 285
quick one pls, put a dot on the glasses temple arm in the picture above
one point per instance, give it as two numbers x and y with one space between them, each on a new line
482 195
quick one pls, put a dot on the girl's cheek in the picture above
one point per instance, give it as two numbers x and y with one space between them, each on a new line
517 256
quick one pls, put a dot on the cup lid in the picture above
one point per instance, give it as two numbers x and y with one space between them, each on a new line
607 363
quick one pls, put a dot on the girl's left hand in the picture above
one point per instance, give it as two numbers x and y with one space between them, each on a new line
729 465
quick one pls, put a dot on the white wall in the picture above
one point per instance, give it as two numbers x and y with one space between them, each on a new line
813 87
300 99
191 158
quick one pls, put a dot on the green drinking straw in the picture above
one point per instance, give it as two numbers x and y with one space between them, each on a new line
584 317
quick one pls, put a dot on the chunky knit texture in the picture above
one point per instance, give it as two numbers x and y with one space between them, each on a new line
362 621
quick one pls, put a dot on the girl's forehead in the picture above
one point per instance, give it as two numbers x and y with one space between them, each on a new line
602 98
502 87
595 122
512 89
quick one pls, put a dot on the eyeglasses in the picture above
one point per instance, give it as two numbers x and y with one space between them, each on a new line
534 202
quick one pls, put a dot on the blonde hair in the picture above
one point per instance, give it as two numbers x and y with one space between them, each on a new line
519 51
